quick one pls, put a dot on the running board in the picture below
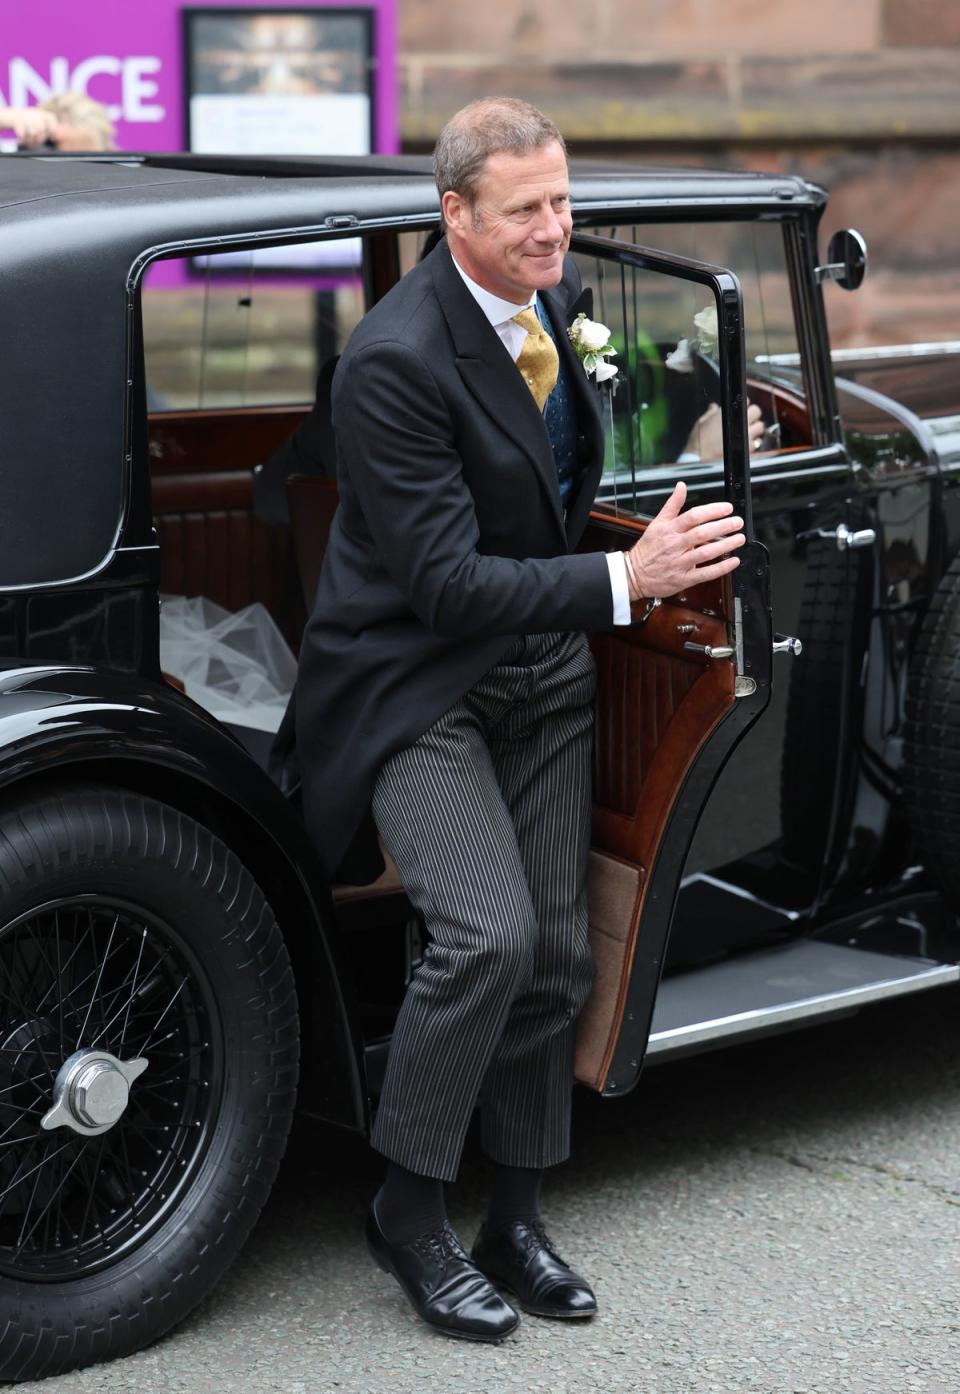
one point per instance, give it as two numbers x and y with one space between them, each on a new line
776 988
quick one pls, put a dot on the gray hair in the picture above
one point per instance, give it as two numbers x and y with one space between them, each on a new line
490 126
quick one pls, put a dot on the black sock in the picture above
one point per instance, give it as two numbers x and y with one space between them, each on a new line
408 1204
515 1195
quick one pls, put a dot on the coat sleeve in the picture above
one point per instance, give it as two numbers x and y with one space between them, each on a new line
395 441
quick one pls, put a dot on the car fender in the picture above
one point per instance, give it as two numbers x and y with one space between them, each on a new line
103 725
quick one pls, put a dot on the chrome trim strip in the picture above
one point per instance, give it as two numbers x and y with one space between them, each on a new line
728 888
738 632
854 355
746 1023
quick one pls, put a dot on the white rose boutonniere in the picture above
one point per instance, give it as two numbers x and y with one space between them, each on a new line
591 341
705 341
708 332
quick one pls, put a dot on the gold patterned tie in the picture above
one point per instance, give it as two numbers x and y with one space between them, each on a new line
539 361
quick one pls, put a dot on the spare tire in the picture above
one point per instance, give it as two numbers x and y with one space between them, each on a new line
931 766
148 1069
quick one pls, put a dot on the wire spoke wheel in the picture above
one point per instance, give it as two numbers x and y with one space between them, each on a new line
98 975
149 1044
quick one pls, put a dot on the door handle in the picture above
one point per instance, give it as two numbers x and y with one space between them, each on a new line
783 643
710 650
845 538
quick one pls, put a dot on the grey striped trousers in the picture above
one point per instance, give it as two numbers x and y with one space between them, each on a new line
487 817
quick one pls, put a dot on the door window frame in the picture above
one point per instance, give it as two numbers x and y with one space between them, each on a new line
799 231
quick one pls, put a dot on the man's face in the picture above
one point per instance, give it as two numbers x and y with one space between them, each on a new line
513 239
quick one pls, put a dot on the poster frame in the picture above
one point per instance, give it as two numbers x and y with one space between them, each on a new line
367 14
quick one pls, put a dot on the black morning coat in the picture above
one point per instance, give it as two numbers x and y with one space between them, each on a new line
450 540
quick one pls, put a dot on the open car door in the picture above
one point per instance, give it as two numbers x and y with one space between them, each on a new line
677 692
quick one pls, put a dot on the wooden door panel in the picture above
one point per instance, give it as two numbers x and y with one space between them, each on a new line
657 705
653 714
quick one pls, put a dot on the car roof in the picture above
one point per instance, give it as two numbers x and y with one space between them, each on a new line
359 185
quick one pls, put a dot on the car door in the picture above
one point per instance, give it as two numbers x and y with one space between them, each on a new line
780 840
677 692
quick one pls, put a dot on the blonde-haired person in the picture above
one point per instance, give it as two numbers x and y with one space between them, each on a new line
66 121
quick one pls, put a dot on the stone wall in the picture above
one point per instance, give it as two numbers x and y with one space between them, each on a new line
862 96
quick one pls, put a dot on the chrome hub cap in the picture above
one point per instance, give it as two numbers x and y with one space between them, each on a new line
91 1091
92 1157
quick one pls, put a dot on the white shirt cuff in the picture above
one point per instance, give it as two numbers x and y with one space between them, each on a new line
617 564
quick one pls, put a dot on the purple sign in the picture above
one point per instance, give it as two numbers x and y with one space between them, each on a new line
128 55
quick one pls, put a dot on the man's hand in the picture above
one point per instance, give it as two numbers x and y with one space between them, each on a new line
682 549
706 438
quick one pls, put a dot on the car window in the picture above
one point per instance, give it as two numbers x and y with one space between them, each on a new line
755 252
663 404
413 245
239 331
238 365
667 349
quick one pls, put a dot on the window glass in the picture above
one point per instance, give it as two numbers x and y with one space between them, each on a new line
755 252
663 406
412 246
659 323
238 365
240 335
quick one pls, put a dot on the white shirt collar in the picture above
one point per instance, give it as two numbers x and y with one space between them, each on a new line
496 310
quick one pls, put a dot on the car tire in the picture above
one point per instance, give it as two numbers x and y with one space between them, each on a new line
128 928
931 755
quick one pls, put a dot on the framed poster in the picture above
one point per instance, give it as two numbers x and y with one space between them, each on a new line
280 81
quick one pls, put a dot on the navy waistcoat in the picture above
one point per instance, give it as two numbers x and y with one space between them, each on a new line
560 418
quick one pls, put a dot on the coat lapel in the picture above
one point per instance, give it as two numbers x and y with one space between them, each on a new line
491 376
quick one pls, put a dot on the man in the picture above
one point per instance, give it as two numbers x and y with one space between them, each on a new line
445 676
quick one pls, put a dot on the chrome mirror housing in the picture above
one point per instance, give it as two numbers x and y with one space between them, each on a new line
846 260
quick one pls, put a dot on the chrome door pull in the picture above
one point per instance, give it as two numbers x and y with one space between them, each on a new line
783 643
710 650
845 538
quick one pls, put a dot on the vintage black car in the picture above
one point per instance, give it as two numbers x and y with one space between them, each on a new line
777 770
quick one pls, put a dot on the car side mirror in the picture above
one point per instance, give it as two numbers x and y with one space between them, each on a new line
846 260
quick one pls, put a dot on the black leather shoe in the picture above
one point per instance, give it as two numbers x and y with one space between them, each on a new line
445 1288
521 1259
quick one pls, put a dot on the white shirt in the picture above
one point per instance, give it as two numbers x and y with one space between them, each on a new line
500 313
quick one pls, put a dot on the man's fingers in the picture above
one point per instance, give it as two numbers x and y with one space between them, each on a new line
754 413
705 513
675 502
711 550
706 532
713 571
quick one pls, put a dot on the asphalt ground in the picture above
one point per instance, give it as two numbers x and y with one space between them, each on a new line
781 1218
